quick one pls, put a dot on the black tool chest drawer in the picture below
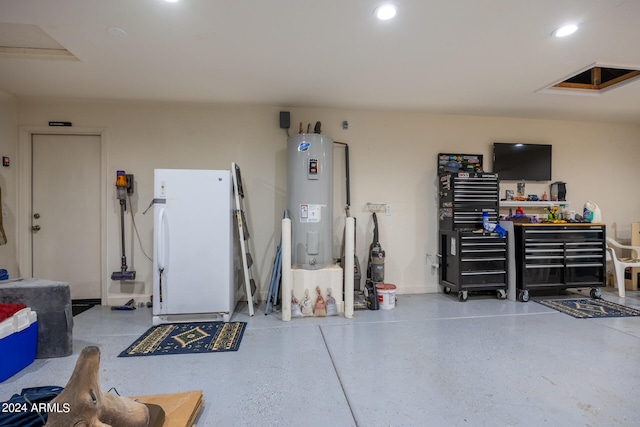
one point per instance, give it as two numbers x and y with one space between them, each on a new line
473 261
463 198
560 256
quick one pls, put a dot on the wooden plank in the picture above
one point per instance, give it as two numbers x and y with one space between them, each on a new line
618 80
584 86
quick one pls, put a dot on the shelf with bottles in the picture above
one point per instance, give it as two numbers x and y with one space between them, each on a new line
532 203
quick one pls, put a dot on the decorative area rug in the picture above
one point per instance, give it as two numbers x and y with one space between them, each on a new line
585 308
182 338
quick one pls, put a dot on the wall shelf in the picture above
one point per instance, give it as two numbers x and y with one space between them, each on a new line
532 204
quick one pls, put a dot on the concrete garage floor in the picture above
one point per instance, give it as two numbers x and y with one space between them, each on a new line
430 361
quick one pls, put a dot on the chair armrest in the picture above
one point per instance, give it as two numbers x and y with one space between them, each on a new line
635 250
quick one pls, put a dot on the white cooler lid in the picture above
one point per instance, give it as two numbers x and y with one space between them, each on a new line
18 322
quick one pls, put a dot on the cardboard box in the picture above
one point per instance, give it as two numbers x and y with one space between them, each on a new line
635 234
18 339
631 278
631 273
181 409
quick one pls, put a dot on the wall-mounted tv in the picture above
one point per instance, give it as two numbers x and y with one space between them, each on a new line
516 162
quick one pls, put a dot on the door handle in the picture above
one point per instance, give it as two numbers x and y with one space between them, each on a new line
35 228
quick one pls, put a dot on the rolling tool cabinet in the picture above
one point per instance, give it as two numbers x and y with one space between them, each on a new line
470 260
473 261
560 256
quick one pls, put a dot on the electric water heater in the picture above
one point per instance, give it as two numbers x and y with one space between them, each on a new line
310 200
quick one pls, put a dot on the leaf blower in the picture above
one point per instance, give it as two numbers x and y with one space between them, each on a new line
124 185
375 268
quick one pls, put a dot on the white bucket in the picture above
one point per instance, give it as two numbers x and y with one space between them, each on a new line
386 296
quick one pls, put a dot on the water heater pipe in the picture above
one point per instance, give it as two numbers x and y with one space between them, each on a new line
349 257
346 161
287 275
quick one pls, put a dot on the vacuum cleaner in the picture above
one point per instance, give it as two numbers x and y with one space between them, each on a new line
375 268
124 185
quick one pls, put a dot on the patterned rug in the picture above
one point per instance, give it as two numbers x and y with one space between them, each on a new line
182 338
590 308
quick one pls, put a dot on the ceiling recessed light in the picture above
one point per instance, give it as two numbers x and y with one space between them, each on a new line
386 11
565 30
117 32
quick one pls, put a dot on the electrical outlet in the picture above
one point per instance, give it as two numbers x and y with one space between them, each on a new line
434 264
387 210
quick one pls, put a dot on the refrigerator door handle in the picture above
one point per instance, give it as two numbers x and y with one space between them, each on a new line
162 244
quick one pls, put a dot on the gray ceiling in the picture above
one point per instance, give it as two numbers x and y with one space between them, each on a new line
479 57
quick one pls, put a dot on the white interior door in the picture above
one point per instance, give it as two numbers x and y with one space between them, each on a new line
65 216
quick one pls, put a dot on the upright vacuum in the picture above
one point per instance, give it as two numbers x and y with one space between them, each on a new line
375 268
124 185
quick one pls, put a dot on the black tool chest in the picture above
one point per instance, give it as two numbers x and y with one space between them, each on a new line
470 259
560 256
463 198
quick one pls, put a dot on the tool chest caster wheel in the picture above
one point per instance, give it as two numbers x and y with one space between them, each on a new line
524 296
462 296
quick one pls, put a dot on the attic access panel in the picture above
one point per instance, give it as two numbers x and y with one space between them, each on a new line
598 78
28 41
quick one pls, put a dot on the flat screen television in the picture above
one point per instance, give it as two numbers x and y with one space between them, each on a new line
516 162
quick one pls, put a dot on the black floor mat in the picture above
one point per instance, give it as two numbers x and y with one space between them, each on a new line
80 306
77 309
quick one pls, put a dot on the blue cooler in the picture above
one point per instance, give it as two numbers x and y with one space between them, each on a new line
18 339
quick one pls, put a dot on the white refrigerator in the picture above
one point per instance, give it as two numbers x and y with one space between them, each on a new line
193 246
